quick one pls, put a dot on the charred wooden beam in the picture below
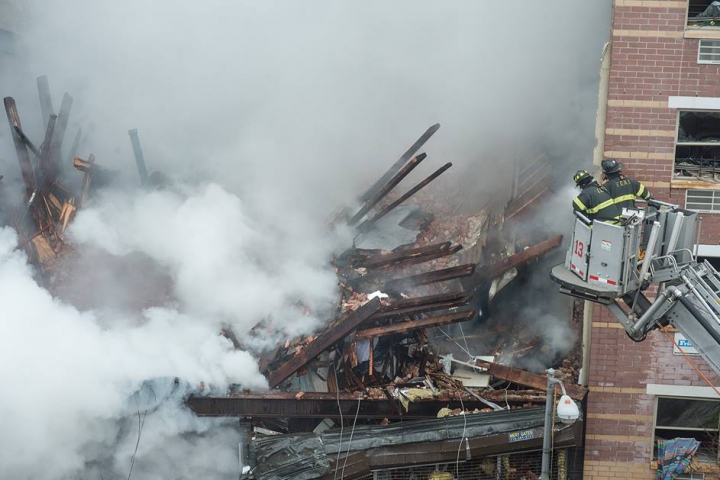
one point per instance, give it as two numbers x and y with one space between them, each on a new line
404 327
495 270
28 174
431 277
274 404
401 161
87 178
325 340
422 301
139 157
386 188
74 147
36 151
45 99
57 138
45 164
376 261
423 258
410 311
527 379
370 221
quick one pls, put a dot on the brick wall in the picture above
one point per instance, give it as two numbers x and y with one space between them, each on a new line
650 61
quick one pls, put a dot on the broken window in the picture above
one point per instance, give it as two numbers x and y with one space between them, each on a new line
703 13
685 418
697 151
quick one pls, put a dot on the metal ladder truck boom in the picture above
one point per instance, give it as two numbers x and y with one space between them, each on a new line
615 265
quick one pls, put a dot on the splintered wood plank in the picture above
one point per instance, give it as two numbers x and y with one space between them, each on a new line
325 340
432 277
404 327
528 379
539 249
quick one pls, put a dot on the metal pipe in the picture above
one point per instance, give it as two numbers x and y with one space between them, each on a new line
700 318
668 296
656 203
675 233
649 250
139 157
583 217
547 428
699 298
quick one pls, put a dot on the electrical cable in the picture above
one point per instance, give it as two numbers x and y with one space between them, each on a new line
467 349
337 393
347 453
141 423
456 343
457 460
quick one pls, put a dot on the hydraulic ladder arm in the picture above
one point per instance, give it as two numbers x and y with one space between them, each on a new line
604 266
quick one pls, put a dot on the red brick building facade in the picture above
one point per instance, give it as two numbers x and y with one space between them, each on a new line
659 89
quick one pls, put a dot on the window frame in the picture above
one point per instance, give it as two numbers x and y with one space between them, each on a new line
715 200
678 143
656 402
700 47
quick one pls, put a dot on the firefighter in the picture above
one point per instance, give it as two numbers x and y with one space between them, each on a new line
624 190
594 201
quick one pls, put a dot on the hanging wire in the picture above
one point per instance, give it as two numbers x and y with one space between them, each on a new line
456 343
141 423
462 439
337 394
347 453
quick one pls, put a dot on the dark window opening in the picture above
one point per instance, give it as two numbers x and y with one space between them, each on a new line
697 152
704 13
686 418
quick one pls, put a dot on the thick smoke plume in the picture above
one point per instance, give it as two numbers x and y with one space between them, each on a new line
266 116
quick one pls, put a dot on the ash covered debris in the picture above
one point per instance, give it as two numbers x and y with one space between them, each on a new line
383 357
419 264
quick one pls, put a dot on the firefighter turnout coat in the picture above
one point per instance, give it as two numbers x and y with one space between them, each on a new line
596 203
625 190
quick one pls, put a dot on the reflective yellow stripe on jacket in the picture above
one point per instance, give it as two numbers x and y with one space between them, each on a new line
605 204
581 206
630 197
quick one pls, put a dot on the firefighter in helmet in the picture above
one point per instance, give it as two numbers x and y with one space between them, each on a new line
624 190
594 201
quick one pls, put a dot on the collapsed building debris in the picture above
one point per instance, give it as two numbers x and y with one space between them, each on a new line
375 361
354 454
411 270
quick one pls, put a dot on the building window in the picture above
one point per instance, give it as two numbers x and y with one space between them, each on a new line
704 13
697 151
706 201
709 51
689 418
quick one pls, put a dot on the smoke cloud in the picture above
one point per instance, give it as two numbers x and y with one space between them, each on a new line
266 116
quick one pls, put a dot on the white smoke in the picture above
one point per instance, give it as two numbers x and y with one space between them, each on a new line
268 114
66 379
226 266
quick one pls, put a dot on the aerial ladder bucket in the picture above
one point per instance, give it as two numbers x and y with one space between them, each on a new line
655 249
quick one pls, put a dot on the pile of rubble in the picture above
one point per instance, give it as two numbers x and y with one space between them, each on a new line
415 267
